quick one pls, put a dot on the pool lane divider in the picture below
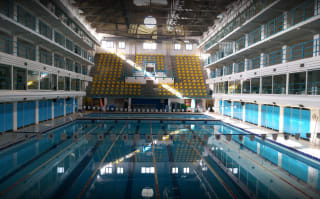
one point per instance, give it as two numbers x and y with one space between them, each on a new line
3 179
154 165
101 162
281 178
68 182
227 188
40 166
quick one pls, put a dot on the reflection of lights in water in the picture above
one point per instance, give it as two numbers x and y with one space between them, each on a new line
147 192
60 169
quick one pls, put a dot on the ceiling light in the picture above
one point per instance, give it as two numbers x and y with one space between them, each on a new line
150 22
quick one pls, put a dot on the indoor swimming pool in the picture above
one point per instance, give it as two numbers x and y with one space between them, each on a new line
154 159
149 115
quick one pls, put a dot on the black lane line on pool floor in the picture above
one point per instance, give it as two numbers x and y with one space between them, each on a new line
75 173
128 192
176 189
3 179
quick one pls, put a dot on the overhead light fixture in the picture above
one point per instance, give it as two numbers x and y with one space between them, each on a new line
150 22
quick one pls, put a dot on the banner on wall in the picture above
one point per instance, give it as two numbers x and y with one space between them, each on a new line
187 102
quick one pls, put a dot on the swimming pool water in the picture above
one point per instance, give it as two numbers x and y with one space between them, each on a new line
149 115
120 159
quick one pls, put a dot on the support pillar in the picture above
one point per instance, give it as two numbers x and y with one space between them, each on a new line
64 107
193 104
37 112
169 105
129 102
284 53
285 20
316 45
263 32
231 111
15 45
15 116
37 53
259 115
281 119
52 110
316 7
246 40
246 63
244 113
262 60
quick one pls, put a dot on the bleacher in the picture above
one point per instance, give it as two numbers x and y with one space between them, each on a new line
108 79
110 71
156 58
189 79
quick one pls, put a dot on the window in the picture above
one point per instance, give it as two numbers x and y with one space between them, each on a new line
45 30
107 170
45 56
267 85
59 61
59 38
5 43
189 47
279 84
237 85
5 77
255 86
60 169
314 82
69 64
177 46
61 83
19 78
122 44
246 86
33 79
147 170
75 84
107 44
53 82
67 84
44 81
149 46
26 50
297 83
26 18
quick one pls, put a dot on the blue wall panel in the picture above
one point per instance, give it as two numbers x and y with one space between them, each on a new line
69 106
297 120
26 113
270 116
45 110
59 108
2 120
220 106
252 113
252 145
76 104
238 110
6 122
227 108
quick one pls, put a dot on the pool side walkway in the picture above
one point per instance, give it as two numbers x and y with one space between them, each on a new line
300 145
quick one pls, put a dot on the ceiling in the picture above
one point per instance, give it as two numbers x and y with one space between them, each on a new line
176 19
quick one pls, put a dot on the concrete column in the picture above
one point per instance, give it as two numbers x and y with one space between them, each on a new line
263 32
285 20
15 45
233 46
259 114
15 13
193 104
37 53
287 84
244 113
129 103
316 7
281 119
105 101
284 53
222 107
233 67
15 116
52 110
169 104
37 112
315 125
246 63
247 40
231 111
262 60
64 107
316 45
52 57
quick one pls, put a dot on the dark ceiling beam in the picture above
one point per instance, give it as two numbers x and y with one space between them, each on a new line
103 23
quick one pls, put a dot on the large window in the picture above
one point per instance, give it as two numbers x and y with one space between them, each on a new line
297 83
267 85
67 83
122 44
45 30
45 56
231 87
26 50
255 85
33 79
59 61
177 46
59 38
189 47
314 82
61 84
279 84
246 86
75 84
69 64
19 78
5 43
53 82
107 44
149 46
44 81
26 18
5 77
237 85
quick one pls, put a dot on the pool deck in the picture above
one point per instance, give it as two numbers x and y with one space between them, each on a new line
8 139
301 145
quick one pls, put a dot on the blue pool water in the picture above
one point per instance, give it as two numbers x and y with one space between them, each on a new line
120 159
